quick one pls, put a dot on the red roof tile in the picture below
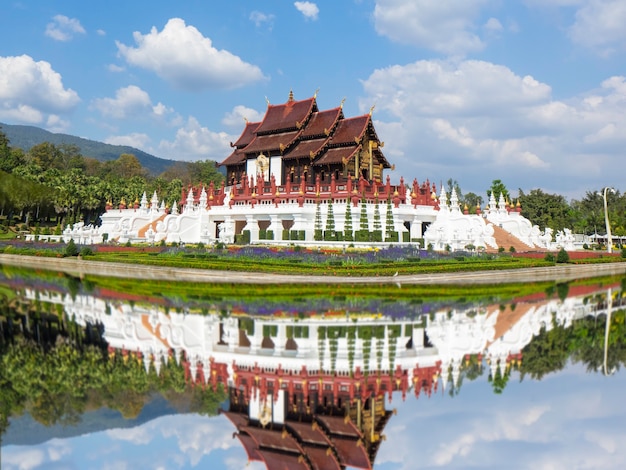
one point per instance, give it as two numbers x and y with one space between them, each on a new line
322 122
286 116
238 156
304 148
266 143
247 135
349 129
336 155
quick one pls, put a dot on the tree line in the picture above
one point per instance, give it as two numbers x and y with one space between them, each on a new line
57 183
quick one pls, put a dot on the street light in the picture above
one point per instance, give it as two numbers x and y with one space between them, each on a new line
609 238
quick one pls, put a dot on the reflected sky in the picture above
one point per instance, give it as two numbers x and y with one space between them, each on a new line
572 419
569 419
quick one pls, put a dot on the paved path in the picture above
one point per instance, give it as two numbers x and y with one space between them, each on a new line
78 267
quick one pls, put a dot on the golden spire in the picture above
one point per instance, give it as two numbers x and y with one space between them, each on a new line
290 95
267 101
372 109
342 102
315 94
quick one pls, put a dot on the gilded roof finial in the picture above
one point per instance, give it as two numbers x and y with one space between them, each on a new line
342 102
315 94
267 101
290 95
245 119
372 109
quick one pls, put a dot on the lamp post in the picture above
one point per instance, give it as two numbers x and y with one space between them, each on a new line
609 238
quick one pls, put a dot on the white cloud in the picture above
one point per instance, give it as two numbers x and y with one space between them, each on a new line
308 9
129 102
599 25
259 19
115 68
493 26
136 140
182 56
31 91
238 115
445 26
194 142
481 121
62 28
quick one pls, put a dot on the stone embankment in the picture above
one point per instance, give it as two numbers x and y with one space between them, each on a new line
77 267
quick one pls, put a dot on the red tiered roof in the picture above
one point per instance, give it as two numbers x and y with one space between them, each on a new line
269 142
298 130
350 130
247 135
288 116
322 123
336 155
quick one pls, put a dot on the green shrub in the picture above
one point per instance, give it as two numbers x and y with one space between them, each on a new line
86 251
623 252
562 256
549 257
71 249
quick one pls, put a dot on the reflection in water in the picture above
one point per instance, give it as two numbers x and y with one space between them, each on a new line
306 390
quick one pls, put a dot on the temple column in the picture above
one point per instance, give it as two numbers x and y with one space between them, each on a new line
416 228
299 223
253 226
281 339
276 226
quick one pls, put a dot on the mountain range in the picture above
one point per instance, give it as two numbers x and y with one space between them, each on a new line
25 137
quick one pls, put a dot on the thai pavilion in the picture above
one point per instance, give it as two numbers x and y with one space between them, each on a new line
298 144
311 176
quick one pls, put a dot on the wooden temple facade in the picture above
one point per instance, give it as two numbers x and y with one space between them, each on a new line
297 143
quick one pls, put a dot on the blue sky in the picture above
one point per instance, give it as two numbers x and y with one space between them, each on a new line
531 92
572 419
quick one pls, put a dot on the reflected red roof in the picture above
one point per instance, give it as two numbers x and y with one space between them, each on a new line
250 446
280 461
307 432
289 115
322 459
340 426
351 453
238 419
273 439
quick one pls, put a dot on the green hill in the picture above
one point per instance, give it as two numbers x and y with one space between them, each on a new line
25 137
